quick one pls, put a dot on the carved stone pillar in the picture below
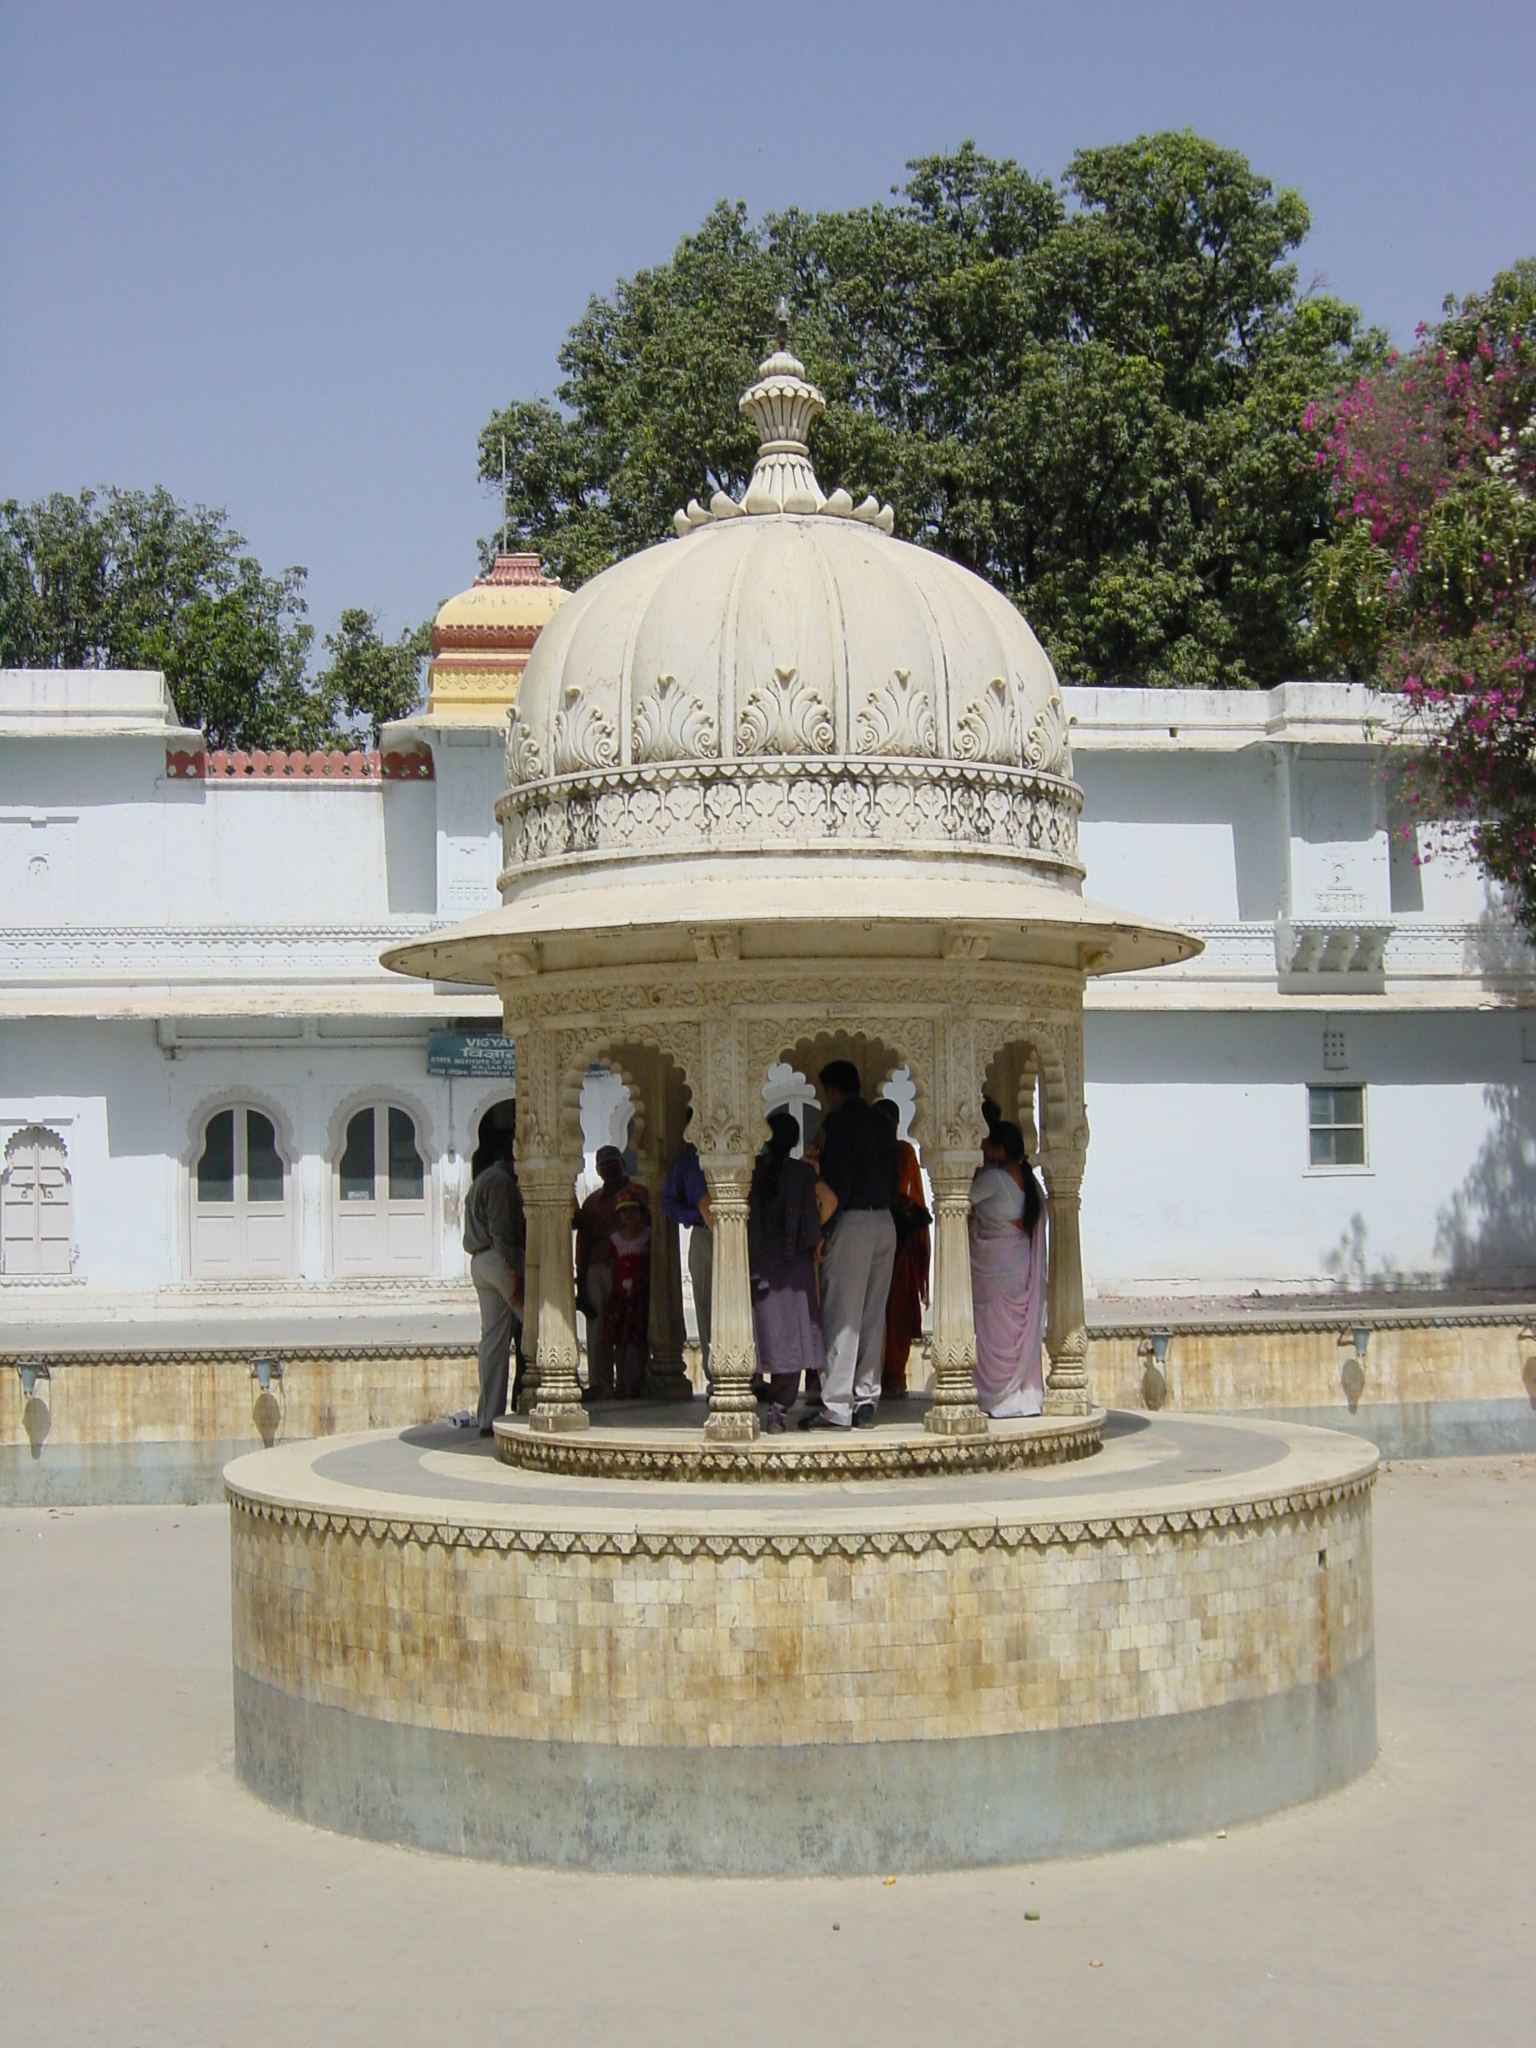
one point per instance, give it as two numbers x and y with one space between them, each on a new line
954 1411
547 1193
530 1388
1066 1383
732 1347
666 1372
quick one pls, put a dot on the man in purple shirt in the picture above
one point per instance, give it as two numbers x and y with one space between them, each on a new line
685 1202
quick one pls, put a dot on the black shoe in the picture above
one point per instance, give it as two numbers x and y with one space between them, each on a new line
864 1415
820 1419
487 1430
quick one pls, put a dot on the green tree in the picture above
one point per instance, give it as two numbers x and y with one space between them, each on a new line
133 579
371 677
1089 392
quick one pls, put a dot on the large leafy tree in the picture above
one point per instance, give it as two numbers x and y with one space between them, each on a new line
369 677
133 579
1089 392
1427 582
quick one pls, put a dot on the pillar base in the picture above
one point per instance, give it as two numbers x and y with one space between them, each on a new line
732 1429
1068 1401
668 1386
559 1421
958 1421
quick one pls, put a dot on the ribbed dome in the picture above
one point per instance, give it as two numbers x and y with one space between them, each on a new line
791 624
786 734
509 606
786 634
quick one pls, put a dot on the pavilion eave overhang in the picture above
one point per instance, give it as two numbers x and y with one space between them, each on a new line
659 923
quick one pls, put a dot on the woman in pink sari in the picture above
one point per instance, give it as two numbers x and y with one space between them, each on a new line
1007 1277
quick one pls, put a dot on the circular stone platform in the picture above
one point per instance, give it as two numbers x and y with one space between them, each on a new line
433 1647
635 1440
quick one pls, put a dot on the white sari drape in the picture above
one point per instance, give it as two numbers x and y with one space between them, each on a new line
1008 1295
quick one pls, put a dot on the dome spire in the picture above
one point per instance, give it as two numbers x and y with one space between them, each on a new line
782 406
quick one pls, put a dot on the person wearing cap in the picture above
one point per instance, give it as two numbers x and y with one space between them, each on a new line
595 1223
859 1165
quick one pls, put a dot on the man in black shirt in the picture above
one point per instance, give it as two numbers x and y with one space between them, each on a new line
859 1165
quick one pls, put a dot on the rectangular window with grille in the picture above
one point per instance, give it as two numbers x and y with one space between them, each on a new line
1336 1126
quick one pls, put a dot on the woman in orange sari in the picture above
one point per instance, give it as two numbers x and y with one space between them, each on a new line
909 1281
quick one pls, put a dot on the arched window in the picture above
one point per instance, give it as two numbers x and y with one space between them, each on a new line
242 1218
382 1211
37 1234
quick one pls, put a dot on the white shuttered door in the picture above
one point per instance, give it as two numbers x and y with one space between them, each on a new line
36 1219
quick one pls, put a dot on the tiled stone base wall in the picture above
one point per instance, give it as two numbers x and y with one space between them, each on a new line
1425 1388
378 1663
151 1426
702 1642
160 1425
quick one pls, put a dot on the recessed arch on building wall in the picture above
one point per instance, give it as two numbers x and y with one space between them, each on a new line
380 1162
241 1190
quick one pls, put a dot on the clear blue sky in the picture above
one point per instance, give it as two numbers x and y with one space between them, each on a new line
286 258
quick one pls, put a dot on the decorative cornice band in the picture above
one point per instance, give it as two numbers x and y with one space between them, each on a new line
595 1456
815 1543
774 804
237 1355
1314 1322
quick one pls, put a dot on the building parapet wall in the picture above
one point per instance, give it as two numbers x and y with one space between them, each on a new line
1112 719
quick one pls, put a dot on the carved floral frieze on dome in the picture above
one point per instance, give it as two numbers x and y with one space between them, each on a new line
670 724
786 716
898 720
1045 746
988 729
524 761
583 734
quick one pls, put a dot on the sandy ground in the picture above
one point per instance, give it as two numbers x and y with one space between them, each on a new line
144 1898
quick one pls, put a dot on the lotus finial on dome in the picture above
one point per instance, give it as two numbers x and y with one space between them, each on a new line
782 405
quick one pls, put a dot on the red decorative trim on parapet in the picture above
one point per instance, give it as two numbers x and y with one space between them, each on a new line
411 764
524 569
475 639
183 764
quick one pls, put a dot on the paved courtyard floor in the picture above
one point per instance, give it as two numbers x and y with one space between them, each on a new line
145 1899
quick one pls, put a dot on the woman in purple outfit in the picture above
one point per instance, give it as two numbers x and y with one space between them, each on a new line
783 1233
1008 1277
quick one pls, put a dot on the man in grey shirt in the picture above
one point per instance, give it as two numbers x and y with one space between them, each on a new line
496 1238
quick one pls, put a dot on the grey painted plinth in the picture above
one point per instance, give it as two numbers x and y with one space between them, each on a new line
834 1808
1425 1429
176 1474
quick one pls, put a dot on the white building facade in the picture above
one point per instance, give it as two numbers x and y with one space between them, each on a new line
213 1100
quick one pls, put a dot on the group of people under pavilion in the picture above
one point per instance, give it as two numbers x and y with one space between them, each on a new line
840 1253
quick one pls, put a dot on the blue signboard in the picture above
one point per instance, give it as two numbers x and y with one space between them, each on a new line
483 1055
